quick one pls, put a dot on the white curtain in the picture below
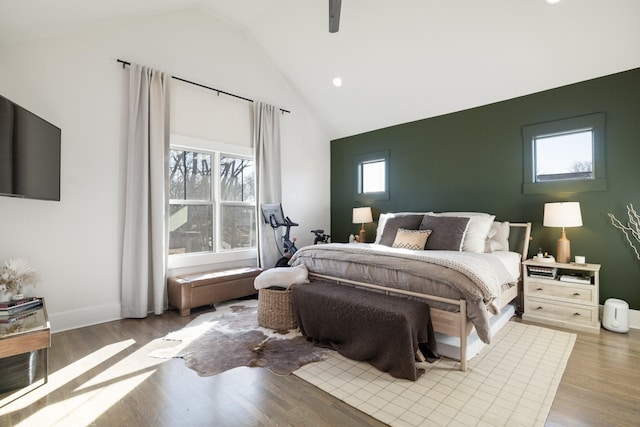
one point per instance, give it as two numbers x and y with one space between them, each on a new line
144 254
266 140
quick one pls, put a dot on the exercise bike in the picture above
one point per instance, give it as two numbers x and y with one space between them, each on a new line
274 216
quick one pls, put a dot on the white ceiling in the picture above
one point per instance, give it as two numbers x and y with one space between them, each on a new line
400 60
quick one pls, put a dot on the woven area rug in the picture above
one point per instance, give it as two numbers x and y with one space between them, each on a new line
230 337
511 382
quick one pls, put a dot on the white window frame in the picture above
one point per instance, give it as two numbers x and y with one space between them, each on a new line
597 182
216 148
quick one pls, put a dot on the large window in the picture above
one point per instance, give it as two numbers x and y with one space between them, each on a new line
212 201
564 156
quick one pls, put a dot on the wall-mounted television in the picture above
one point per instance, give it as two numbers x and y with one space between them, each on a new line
29 154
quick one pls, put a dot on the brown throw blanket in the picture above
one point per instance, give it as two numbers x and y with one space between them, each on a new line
384 330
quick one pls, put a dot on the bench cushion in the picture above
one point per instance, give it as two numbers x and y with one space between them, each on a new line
211 277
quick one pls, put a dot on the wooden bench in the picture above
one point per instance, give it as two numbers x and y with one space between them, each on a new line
197 289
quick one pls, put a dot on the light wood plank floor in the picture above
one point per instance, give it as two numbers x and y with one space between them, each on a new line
102 376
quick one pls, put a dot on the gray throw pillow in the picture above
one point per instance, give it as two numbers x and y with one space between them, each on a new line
408 222
447 232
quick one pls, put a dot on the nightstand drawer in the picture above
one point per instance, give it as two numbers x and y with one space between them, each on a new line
566 312
581 294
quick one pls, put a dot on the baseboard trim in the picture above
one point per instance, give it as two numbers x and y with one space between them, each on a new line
634 319
84 317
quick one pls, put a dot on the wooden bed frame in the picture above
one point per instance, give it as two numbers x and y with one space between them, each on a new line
453 323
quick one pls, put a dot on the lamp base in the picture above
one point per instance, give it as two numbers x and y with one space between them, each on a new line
363 235
564 249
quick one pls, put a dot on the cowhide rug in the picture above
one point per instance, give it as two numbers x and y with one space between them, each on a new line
230 337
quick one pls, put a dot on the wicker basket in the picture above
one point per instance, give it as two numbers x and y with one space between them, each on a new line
275 309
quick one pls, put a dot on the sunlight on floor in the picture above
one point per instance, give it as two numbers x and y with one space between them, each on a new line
83 404
185 336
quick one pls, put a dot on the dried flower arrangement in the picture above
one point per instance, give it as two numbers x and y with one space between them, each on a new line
631 230
15 274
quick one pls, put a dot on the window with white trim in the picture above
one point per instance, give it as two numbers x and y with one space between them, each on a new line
212 206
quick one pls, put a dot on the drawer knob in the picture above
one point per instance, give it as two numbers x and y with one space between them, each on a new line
576 314
538 308
576 294
539 289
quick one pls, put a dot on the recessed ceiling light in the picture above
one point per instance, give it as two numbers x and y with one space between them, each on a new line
553 1
337 82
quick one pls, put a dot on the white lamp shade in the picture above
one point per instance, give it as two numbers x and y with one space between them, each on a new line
562 214
362 215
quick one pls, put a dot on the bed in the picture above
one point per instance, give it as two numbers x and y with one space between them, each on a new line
466 265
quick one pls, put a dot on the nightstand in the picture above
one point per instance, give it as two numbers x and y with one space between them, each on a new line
564 295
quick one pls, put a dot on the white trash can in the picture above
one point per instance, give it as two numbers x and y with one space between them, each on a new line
615 316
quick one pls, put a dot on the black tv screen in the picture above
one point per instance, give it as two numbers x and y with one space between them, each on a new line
29 154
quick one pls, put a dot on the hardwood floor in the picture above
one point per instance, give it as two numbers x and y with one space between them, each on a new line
102 376
601 384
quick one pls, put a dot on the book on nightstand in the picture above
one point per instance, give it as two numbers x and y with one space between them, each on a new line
571 278
542 272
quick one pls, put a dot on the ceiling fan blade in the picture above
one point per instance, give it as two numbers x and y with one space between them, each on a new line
334 15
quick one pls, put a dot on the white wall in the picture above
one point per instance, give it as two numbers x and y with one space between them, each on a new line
75 82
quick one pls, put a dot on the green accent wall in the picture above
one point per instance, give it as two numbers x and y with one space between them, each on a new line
472 160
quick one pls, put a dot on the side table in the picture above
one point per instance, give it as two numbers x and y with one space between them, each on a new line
564 295
29 333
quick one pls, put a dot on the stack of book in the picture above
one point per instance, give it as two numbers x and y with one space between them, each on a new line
17 309
542 272
575 278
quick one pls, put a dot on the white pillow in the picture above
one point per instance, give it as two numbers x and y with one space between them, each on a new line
498 237
477 231
383 219
282 277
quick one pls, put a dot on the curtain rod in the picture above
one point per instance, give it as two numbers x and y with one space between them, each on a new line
124 63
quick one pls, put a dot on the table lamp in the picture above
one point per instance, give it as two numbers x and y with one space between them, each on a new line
362 216
562 214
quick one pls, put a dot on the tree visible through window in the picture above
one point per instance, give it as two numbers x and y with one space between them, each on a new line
208 214
564 156
237 202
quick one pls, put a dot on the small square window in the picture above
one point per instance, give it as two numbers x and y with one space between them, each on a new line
564 156
372 176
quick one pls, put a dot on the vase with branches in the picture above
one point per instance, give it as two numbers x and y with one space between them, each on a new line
631 229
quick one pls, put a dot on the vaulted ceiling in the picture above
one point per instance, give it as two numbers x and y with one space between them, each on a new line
400 60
